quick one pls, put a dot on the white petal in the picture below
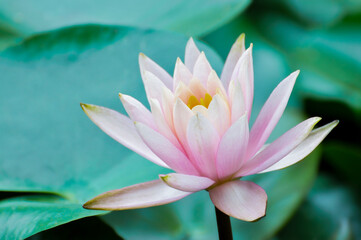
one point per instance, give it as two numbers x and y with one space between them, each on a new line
137 111
236 52
165 150
202 69
304 148
191 54
279 148
121 129
148 194
187 183
219 114
232 148
181 74
203 141
240 199
148 65
270 113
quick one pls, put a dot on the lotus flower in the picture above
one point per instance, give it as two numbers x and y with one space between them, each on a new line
198 126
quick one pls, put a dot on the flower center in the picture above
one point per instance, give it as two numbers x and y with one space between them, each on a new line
205 101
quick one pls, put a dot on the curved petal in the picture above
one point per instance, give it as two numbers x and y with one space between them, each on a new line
162 124
304 148
270 113
203 141
236 97
148 194
214 85
202 69
279 148
232 148
147 64
191 54
137 111
181 74
186 183
240 199
154 87
165 150
243 73
121 129
236 52
219 114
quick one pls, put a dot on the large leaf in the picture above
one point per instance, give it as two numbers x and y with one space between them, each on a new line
331 211
192 17
47 143
23 216
194 217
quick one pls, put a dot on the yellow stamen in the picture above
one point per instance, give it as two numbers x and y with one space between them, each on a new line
193 101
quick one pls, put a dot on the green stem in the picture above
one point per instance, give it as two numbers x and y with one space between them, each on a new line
224 226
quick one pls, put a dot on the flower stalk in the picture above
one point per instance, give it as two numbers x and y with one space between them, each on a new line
224 225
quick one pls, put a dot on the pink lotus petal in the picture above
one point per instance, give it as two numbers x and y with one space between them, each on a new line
214 85
270 113
121 129
186 183
161 122
168 103
183 92
191 54
232 148
148 194
304 148
219 114
137 111
203 141
197 88
154 87
243 72
238 106
148 65
240 199
181 123
202 69
279 148
165 150
234 55
181 74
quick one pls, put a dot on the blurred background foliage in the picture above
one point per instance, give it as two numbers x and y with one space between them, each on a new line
55 55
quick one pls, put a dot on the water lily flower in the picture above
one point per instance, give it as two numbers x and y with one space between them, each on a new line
198 126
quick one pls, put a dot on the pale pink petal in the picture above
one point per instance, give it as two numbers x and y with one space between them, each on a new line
304 148
236 52
270 113
219 114
203 141
181 115
121 129
154 87
214 85
279 148
162 124
137 111
148 65
240 199
200 109
236 98
148 194
197 88
191 54
181 74
165 150
168 103
243 73
183 92
232 148
202 69
186 183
